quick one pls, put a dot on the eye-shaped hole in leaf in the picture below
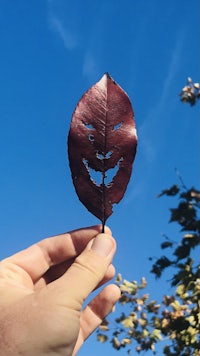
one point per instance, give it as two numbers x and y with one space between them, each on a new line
117 126
88 126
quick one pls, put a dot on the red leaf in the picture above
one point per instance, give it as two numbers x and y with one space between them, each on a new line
101 146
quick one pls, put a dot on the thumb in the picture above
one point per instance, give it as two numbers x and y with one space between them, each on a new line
86 272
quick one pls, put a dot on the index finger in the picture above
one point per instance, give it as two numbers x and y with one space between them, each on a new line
38 258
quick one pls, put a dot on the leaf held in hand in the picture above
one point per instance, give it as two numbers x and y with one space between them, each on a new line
102 146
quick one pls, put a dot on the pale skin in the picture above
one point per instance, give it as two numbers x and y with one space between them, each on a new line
42 290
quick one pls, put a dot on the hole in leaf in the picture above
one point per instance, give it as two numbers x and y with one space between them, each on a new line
111 173
116 127
88 126
91 137
97 176
101 156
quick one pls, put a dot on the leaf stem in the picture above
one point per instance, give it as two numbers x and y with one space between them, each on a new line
103 227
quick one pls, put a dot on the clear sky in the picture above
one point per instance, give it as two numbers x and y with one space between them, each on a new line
51 52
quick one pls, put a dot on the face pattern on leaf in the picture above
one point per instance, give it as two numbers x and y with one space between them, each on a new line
102 145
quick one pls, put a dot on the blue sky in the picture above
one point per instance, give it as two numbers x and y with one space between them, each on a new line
51 53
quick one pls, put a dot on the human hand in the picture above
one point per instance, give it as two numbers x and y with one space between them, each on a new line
42 290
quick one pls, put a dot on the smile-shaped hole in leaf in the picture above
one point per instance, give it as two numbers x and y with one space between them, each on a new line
107 178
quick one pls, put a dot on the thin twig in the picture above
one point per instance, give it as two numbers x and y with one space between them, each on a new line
180 178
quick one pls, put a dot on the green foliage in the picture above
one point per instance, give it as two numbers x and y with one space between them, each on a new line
176 320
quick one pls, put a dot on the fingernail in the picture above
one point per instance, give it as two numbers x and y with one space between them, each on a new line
102 245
